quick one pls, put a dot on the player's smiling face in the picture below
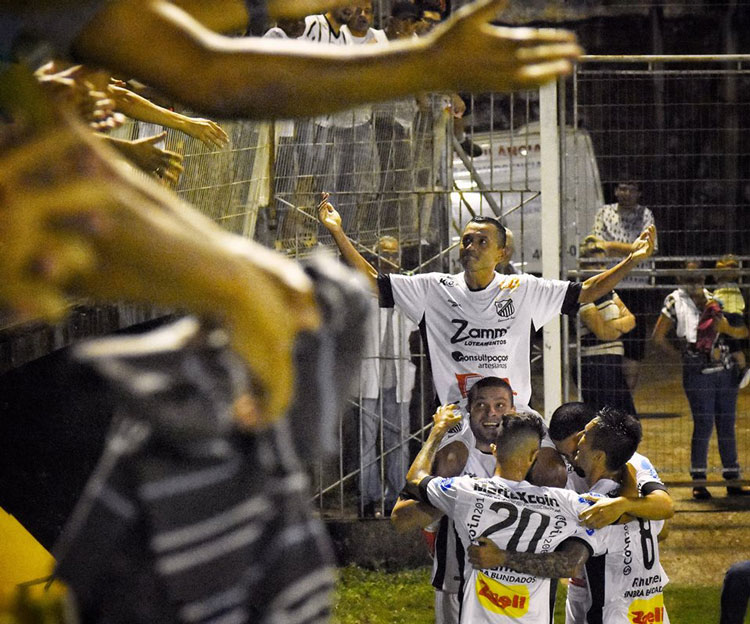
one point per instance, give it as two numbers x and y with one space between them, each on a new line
487 409
480 247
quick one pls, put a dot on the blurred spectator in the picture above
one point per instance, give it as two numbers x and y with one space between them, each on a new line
604 321
727 292
386 381
359 25
286 29
394 134
615 225
735 593
708 377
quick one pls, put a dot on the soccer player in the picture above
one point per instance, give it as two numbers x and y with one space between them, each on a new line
478 322
511 513
626 584
466 450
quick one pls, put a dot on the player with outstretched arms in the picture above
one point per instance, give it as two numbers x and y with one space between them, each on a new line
478 322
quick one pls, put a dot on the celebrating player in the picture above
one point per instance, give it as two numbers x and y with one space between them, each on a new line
478 322
511 513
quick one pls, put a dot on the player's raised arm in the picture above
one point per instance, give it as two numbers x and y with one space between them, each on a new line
256 78
406 515
412 514
601 283
566 561
331 220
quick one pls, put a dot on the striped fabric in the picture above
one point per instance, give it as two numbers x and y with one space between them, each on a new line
212 527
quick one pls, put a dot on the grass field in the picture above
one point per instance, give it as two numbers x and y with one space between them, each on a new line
373 597
705 537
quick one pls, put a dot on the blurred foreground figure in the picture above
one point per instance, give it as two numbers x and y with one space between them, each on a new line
198 508
260 78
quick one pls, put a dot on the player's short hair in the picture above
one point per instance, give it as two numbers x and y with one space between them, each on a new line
515 426
570 418
617 433
501 238
487 382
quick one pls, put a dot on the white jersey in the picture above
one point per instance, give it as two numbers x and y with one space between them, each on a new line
319 30
625 585
374 35
475 334
516 516
449 555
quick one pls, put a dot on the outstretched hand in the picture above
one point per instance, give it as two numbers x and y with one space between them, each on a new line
207 131
327 214
475 56
153 159
76 221
643 246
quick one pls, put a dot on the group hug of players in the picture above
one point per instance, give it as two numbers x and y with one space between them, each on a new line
482 479
499 540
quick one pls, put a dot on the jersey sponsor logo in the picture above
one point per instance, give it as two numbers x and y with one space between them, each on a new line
505 309
445 484
477 336
448 282
498 490
466 381
649 611
509 283
508 600
485 361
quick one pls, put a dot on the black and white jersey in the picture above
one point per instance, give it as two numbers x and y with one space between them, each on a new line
516 516
448 559
475 334
624 585
319 29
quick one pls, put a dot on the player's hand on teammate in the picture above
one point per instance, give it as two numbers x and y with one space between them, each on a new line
604 511
446 417
327 214
643 246
473 55
485 554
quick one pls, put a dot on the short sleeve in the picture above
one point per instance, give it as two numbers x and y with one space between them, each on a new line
442 493
645 473
599 225
409 293
547 298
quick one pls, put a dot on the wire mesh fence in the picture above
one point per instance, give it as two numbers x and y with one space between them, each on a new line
405 170
675 131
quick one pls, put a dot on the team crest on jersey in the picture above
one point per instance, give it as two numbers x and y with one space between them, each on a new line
509 600
649 611
505 308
